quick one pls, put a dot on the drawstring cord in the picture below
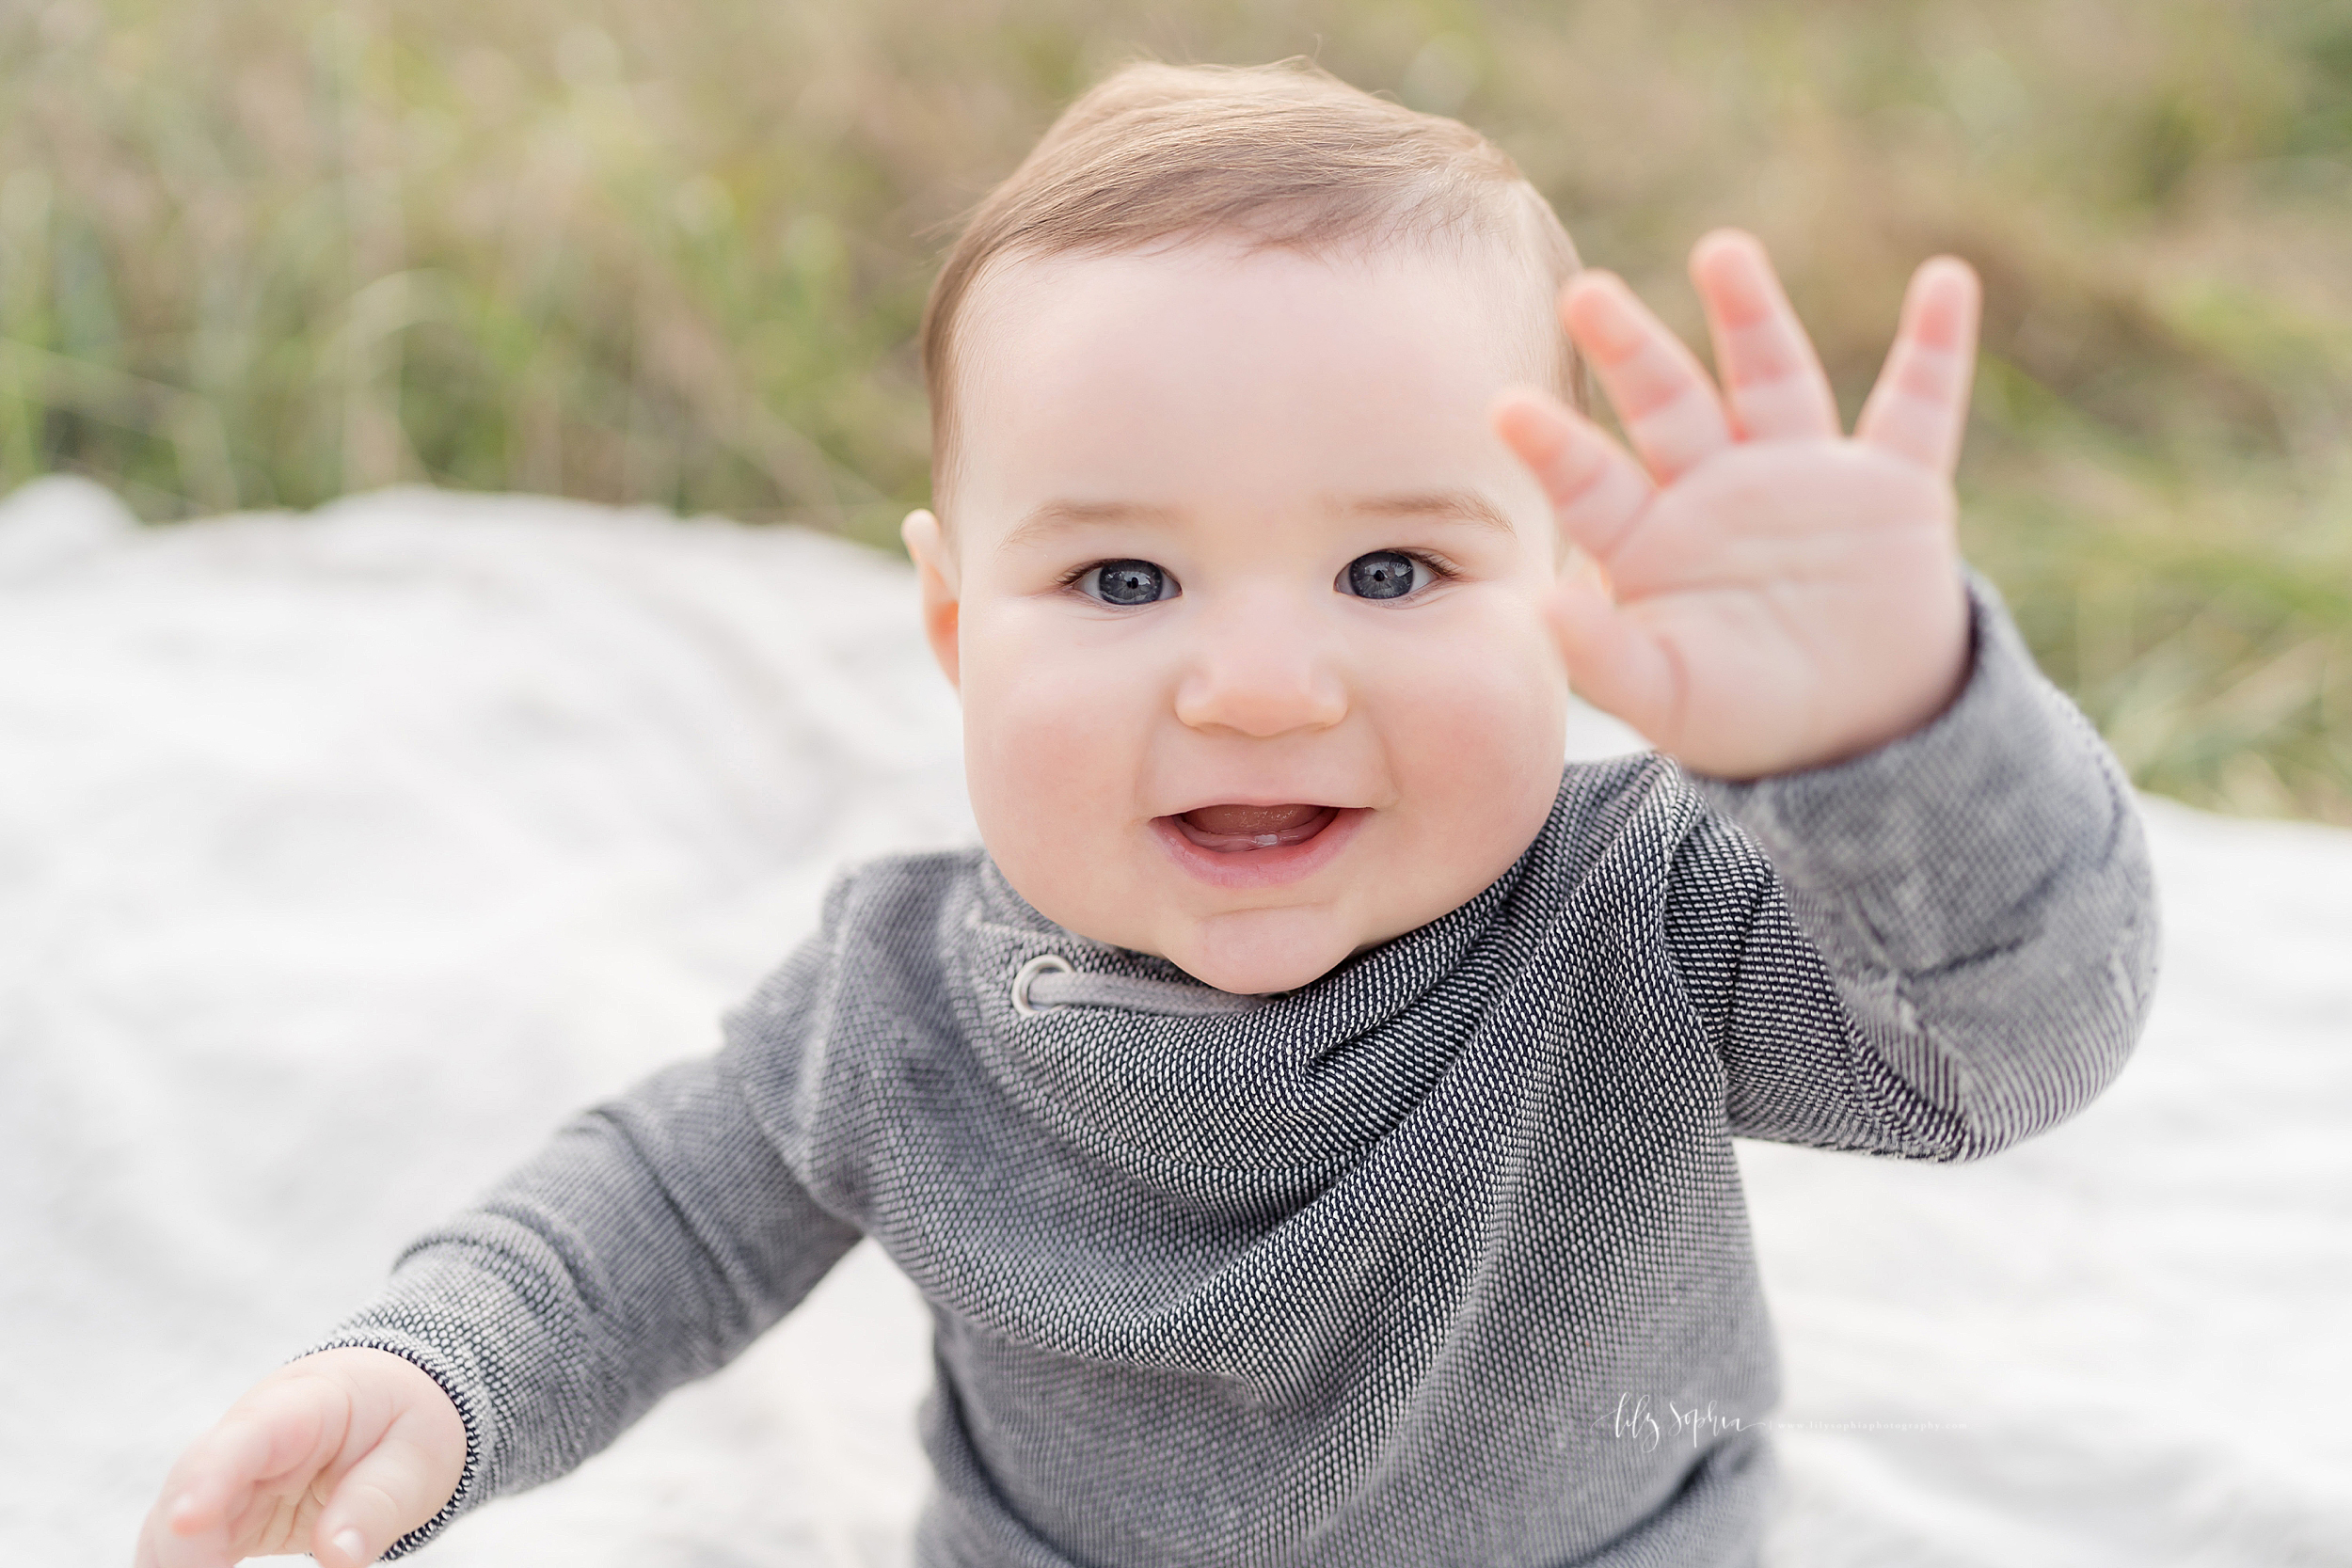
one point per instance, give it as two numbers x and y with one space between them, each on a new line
1049 980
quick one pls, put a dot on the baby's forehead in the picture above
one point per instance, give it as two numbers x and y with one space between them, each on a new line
1223 315
1502 284
1145 394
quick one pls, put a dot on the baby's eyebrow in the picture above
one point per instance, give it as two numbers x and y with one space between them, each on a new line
1060 516
1460 506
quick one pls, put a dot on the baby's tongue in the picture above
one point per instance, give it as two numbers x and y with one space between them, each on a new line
1250 821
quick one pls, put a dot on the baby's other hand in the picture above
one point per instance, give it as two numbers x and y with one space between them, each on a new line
1771 595
339 1454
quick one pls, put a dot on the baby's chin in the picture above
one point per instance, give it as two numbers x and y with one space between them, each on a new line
1256 951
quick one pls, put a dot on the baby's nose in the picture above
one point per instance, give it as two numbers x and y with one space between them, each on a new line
1261 675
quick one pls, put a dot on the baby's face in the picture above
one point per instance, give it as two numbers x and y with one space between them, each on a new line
1242 593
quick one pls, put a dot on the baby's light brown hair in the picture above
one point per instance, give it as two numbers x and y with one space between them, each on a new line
1280 155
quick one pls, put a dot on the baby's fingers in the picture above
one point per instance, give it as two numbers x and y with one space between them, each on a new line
1597 490
273 1441
1615 663
1919 407
1771 378
399 1485
1662 395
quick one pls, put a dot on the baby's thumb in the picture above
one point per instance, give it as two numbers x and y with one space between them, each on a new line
1613 661
397 1485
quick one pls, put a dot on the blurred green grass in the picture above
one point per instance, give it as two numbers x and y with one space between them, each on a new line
258 254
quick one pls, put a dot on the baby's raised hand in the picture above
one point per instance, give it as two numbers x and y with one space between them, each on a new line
339 1454
1771 595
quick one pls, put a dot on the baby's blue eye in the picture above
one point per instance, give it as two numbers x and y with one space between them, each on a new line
1381 575
1128 583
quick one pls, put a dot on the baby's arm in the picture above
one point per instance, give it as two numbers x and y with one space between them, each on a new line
1931 950
646 1244
1937 931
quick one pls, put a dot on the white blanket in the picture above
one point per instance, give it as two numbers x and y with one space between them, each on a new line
343 856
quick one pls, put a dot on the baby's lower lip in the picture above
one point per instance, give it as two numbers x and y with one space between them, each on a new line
1301 848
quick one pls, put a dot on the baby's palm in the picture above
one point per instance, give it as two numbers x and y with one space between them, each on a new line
1771 595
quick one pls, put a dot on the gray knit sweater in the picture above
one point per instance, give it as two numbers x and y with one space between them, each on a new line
1395 1268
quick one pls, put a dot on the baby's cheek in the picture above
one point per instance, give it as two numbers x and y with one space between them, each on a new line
1051 761
1030 759
1478 712
1474 729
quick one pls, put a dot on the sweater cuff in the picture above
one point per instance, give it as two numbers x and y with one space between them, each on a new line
383 1326
1944 844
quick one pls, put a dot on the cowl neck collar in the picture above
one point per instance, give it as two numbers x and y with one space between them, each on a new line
1296 1085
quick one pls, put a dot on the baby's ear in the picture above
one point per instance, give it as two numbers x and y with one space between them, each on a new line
935 573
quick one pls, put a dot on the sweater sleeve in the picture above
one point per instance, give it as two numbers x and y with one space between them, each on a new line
1934 949
645 1245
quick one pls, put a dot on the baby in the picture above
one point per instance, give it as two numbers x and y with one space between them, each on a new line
1308 1117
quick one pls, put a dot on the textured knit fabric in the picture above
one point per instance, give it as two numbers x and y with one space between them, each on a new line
1418 1264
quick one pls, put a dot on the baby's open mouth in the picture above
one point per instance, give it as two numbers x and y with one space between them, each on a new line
1230 829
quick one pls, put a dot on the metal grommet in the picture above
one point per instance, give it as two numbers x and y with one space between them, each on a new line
1045 963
